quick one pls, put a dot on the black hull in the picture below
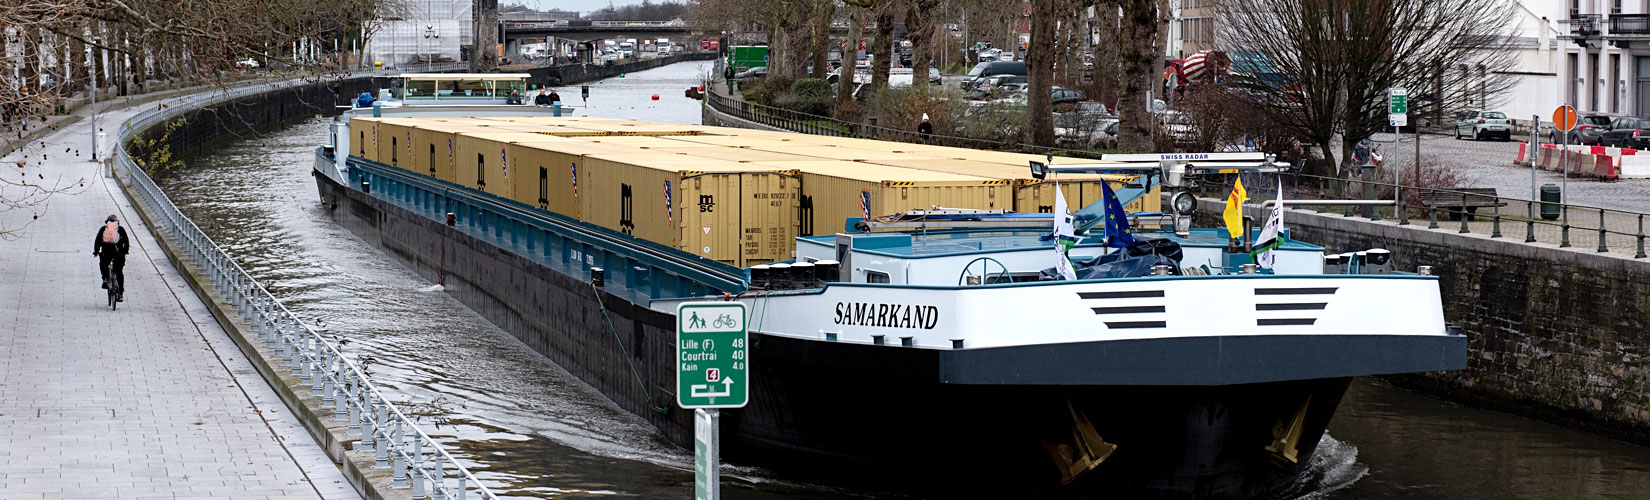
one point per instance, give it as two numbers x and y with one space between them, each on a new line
868 416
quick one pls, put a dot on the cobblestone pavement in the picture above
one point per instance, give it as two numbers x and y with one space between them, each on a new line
1490 164
150 401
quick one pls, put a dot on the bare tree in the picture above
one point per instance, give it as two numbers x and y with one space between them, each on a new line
1040 71
1137 35
1323 66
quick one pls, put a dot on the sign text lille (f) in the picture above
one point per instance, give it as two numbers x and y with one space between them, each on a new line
712 362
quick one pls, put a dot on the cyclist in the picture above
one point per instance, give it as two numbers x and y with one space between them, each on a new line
110 248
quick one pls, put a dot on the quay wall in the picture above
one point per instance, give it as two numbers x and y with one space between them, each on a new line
205 127
573 74
1557 334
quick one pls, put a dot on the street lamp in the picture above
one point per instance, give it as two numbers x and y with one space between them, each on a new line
91 90
429 32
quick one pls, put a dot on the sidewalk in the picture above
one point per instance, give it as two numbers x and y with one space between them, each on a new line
151 401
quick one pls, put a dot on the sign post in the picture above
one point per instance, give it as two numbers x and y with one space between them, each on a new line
712 372
1564 119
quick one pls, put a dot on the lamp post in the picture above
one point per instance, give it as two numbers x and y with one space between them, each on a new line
429 32
91 90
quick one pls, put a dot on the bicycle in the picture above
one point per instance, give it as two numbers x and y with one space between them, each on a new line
114 287
724 321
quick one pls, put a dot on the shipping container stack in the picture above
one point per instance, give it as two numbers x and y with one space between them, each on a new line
738 196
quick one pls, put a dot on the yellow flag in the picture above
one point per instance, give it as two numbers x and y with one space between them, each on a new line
1234 209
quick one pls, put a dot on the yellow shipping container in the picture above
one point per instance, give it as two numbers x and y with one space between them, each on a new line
395 142
438 143
734 154
483 160
645 142
363 137
733 141
552 170
834 191
844 154
735 213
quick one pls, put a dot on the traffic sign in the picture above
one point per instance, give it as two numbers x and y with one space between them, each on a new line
1398 99
1397 120
1564 118
711 355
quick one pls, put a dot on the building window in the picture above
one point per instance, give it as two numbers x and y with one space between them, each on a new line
875 276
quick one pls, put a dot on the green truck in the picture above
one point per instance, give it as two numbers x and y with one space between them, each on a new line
747 57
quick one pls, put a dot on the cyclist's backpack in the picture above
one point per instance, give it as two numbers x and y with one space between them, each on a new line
111 233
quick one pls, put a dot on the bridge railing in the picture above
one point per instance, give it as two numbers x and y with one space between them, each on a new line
419 462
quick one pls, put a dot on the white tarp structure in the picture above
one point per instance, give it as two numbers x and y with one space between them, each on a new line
448 23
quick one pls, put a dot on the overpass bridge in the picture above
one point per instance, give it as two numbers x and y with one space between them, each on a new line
595 30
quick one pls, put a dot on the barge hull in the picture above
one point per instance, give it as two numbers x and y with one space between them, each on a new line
866 416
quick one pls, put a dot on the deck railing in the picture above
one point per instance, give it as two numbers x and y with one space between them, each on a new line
419 462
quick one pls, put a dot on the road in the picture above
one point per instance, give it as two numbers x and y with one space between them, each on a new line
1490 164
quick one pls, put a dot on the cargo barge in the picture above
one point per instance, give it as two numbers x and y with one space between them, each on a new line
929 353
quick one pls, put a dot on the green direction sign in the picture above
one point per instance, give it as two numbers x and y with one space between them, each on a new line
1399 101
711 358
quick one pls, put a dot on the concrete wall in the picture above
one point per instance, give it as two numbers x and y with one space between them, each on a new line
573 74
203 128
1559 334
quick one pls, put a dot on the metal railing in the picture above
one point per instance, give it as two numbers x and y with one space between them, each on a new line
1467 207
418 461
1630 24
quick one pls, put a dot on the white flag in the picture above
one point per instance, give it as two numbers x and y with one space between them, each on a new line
1271 234
1065 235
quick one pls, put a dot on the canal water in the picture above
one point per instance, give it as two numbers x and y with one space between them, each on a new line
532 430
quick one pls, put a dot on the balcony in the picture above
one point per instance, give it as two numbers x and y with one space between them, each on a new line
1585 25
1630 24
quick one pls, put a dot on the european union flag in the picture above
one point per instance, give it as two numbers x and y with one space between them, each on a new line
1117 221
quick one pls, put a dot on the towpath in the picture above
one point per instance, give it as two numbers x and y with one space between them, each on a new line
151 401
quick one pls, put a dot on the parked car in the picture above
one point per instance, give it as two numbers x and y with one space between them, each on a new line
1480 124
1085 131
998 86
1064 95
752 74
989 69
1590 127
1178 126
249 63
989 55
1628 132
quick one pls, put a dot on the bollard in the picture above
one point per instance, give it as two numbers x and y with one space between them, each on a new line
417 471
1497 232
440 485
340 395
1640 255
1463 214
1371 212
1432 213
317 378
382 461
1401 204
1601 233
367 427
399 480
1565 242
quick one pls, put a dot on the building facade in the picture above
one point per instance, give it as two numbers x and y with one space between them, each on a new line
1605 65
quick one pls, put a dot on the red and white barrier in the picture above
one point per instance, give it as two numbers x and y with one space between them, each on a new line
1593 161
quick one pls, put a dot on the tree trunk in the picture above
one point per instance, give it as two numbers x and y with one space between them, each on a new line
1040 70
797 42
883 46
31 63
1106 52
919 22
1137 35
820 36
78 63
845 81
